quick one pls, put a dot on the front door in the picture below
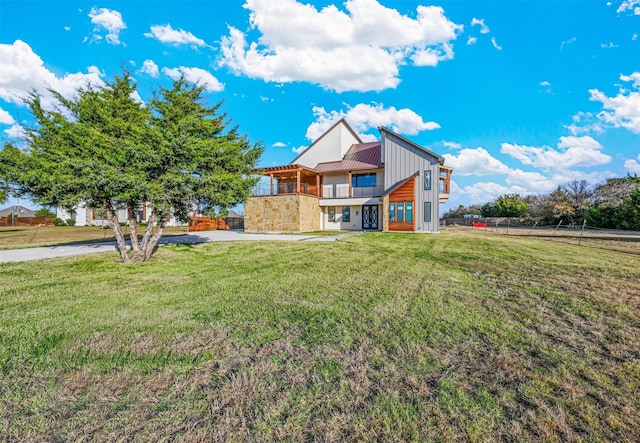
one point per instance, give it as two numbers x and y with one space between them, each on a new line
370 217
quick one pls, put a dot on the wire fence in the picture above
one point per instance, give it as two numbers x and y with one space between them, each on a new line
581 235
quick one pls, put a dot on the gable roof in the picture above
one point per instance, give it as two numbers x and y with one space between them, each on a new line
359 156
405 140
17 210
341 121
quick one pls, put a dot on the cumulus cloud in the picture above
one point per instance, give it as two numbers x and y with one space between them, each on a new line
476 162
109 20
5 118
482 192
633 166
298 42
495 44
472 41
452 145
279 145
166 34
195 75
149 67
634 37
22 71
299 149
364 117
572 151
623 110
545 83
629 7
15 131
484 29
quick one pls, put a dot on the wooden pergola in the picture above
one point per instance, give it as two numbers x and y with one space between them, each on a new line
292 179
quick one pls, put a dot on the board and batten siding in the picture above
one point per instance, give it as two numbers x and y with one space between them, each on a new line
403 159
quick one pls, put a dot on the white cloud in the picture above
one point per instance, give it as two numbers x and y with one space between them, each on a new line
633 166
166 34
15 131
5 118
279 145
195 75
634 37
266 99
567 42
110 20
477 162
484 29
484 192
452 145
149 67
299 149
363 117
472 41
67 28
495 44
572 152
301 43
22 71
623 110
545 83
609 45
632 6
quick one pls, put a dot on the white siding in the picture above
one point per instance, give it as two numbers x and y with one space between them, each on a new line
330 147
355 223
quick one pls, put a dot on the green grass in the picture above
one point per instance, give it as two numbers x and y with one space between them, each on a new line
464 336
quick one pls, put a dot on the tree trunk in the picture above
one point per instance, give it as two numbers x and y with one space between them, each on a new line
133 229
117 231
153 241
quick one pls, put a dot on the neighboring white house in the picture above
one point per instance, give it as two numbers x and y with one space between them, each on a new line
339 182
84 216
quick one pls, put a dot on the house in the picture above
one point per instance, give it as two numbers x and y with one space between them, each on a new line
17 211
341 183
84 216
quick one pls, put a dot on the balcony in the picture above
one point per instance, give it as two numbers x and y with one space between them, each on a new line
342 191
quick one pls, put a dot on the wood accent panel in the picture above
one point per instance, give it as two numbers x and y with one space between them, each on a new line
405 193
402 226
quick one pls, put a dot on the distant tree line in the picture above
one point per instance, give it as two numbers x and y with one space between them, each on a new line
614 204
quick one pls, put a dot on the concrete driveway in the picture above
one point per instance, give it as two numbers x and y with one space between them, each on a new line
17 255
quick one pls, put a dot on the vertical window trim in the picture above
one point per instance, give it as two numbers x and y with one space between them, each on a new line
427 180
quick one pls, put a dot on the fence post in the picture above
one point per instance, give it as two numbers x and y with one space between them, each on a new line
556 230
536 224
584 223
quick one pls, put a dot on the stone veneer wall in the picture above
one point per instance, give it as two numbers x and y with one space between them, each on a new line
282 213
385 213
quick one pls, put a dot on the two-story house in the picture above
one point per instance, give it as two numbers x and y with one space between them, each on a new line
341 183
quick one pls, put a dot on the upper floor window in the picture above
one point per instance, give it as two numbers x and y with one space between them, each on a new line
363 180
427 180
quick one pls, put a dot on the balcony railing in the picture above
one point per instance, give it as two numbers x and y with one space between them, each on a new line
342 191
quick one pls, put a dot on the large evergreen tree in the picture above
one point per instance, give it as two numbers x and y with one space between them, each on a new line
107 151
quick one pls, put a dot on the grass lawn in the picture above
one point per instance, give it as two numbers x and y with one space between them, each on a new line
463 336
19 237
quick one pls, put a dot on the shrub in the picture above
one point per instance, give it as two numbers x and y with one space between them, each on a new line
71 222
59 222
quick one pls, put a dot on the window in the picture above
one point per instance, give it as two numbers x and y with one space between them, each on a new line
427 211
363 180
401 212
346 213
332 213
427 180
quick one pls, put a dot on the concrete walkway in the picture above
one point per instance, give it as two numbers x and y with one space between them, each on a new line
69 250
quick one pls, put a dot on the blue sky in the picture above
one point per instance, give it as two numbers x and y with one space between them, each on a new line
518 96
